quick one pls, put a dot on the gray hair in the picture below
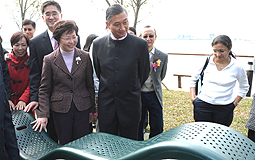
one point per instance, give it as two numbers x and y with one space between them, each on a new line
148 26
114 10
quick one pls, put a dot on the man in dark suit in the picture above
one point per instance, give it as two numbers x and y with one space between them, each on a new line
121 63
152 100
40 46
8 143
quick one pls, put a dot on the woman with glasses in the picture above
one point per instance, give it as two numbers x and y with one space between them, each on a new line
19 71
216 100
67 87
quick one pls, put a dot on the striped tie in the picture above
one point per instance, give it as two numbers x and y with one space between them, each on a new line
55 45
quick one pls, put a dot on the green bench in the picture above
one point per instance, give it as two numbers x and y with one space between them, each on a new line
198 141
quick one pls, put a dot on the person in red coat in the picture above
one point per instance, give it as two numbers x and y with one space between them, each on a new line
18 64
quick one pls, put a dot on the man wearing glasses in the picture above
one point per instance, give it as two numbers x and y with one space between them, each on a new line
28 27
151 95
40 46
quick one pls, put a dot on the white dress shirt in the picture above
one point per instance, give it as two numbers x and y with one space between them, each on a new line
52 40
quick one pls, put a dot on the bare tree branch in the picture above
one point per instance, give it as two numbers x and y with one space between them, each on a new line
133 2
109 4
143 2
31 4
25 7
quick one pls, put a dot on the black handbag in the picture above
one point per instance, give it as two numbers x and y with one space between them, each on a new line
201 76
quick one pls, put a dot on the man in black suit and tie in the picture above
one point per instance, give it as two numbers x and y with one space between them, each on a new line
121 62
8 142
40 46
152 99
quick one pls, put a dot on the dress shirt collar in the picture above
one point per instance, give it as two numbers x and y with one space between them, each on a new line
52 40
152 52
50 34
116 38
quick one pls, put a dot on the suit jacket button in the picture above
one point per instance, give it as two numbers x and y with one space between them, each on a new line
3 128
70 78
116 71
5 103
71 91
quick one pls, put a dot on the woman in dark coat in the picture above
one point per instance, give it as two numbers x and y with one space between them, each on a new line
67 86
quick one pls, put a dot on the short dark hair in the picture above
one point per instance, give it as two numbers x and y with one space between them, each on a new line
27 22
225 40
89 41
17 36
148 26
49 3
114 9
62 26
132 29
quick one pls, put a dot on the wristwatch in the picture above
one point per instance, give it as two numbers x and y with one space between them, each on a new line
236 103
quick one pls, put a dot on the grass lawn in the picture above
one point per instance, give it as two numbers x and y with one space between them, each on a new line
178 110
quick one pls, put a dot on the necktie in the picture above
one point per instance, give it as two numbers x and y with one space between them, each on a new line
55 45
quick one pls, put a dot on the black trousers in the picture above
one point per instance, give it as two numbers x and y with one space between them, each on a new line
116 128
206 112
251 135
71 125
51 131
151 104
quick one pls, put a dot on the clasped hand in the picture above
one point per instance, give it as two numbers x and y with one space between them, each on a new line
20 105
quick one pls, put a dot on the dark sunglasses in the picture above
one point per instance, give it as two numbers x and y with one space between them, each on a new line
29 29
151 36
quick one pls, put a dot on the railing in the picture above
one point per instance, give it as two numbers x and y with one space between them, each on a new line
189 62
189 54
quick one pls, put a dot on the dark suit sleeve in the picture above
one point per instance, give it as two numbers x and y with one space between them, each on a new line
45 89
34 74
164 67
7 125
10 137
144 64
95 61
5 51
6 75
90 83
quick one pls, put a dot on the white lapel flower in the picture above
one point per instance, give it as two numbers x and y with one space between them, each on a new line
78 59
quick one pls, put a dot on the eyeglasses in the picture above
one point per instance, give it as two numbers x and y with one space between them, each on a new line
150 36
69 38
29 29
53 14
219 51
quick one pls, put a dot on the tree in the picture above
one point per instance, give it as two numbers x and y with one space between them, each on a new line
21 9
